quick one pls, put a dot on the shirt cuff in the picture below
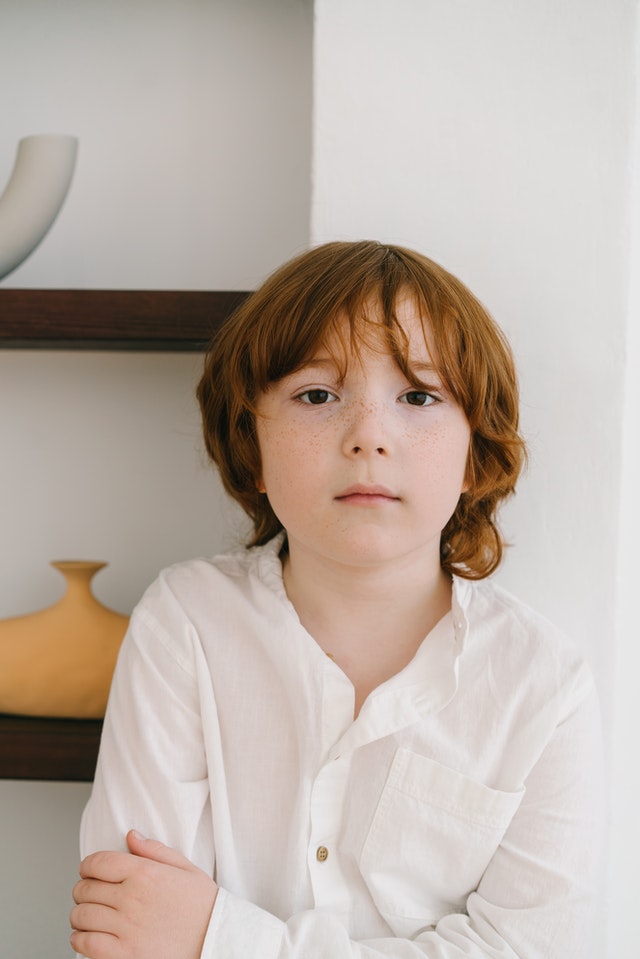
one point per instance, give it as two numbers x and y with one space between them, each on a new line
238 929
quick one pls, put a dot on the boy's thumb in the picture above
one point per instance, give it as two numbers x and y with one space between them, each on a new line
139 845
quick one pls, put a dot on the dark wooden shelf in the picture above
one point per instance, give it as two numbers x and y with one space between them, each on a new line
166 320
48 749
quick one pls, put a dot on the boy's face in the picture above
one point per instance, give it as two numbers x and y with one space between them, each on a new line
365 470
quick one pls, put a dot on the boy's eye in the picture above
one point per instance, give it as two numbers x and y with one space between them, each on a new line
316 397
418 398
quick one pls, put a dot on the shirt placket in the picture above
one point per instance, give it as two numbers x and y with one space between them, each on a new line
330 888
403 701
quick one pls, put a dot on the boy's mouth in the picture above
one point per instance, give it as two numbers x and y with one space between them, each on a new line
367 494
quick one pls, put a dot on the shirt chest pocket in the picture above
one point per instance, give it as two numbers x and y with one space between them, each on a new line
432 836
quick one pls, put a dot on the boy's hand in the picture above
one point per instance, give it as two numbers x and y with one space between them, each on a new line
152 904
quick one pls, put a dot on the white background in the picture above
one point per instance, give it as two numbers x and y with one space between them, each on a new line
497 136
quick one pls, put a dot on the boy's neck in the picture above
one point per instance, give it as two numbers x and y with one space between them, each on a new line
371 621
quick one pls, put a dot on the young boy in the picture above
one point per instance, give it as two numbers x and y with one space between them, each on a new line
345 740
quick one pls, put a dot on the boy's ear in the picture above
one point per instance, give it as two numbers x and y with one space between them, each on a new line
467 482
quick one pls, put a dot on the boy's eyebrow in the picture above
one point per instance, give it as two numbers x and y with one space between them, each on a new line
423 367
328 362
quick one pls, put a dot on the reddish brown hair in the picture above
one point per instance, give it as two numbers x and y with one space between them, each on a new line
280 327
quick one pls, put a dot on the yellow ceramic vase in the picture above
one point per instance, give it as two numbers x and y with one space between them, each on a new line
59 661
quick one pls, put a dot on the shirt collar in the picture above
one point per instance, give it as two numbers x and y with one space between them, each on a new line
430 681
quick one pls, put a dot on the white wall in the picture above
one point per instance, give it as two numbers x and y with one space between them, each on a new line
194 122
496 138
624 917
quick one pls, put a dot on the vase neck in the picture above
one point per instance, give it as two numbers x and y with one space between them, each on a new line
78 573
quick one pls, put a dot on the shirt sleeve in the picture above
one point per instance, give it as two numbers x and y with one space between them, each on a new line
143 781
537 897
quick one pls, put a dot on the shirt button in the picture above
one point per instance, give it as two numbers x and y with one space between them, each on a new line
322 853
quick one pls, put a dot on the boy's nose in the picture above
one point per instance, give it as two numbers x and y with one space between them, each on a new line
367 433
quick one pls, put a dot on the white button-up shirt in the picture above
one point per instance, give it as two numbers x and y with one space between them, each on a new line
458 816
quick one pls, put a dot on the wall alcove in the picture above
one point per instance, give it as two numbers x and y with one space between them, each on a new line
150 320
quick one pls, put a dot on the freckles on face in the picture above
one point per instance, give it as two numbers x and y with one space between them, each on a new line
281 443
442 459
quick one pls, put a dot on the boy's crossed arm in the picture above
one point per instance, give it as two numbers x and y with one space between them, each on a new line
147 903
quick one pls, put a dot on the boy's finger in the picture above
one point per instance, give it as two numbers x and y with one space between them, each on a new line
105 865
97 891
157 851
89 917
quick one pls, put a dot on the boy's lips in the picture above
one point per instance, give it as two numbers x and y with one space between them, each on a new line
365 493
